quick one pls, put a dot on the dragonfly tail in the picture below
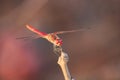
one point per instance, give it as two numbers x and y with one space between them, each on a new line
35 30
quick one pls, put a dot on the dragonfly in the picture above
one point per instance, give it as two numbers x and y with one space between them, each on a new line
51 37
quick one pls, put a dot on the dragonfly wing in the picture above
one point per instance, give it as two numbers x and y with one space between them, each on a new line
29 37
26 37
62 32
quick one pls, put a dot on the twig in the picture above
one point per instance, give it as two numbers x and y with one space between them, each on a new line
62 61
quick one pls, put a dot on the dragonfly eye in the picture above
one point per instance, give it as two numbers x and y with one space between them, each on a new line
61 41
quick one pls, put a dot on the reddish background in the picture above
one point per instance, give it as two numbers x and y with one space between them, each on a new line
94 53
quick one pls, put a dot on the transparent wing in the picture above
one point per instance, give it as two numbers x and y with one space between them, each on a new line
62 32
29 37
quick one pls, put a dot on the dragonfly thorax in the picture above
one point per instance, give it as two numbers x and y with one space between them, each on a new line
53 38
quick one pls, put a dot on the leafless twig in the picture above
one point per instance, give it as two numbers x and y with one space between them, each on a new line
62 61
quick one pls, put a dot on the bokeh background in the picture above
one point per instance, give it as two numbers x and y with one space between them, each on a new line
94 53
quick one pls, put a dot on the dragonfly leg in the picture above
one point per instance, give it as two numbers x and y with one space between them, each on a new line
57 50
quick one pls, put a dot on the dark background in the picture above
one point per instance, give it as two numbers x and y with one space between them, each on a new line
94 53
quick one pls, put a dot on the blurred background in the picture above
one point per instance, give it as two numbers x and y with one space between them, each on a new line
94 53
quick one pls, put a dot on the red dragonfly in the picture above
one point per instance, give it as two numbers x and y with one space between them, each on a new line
51 37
